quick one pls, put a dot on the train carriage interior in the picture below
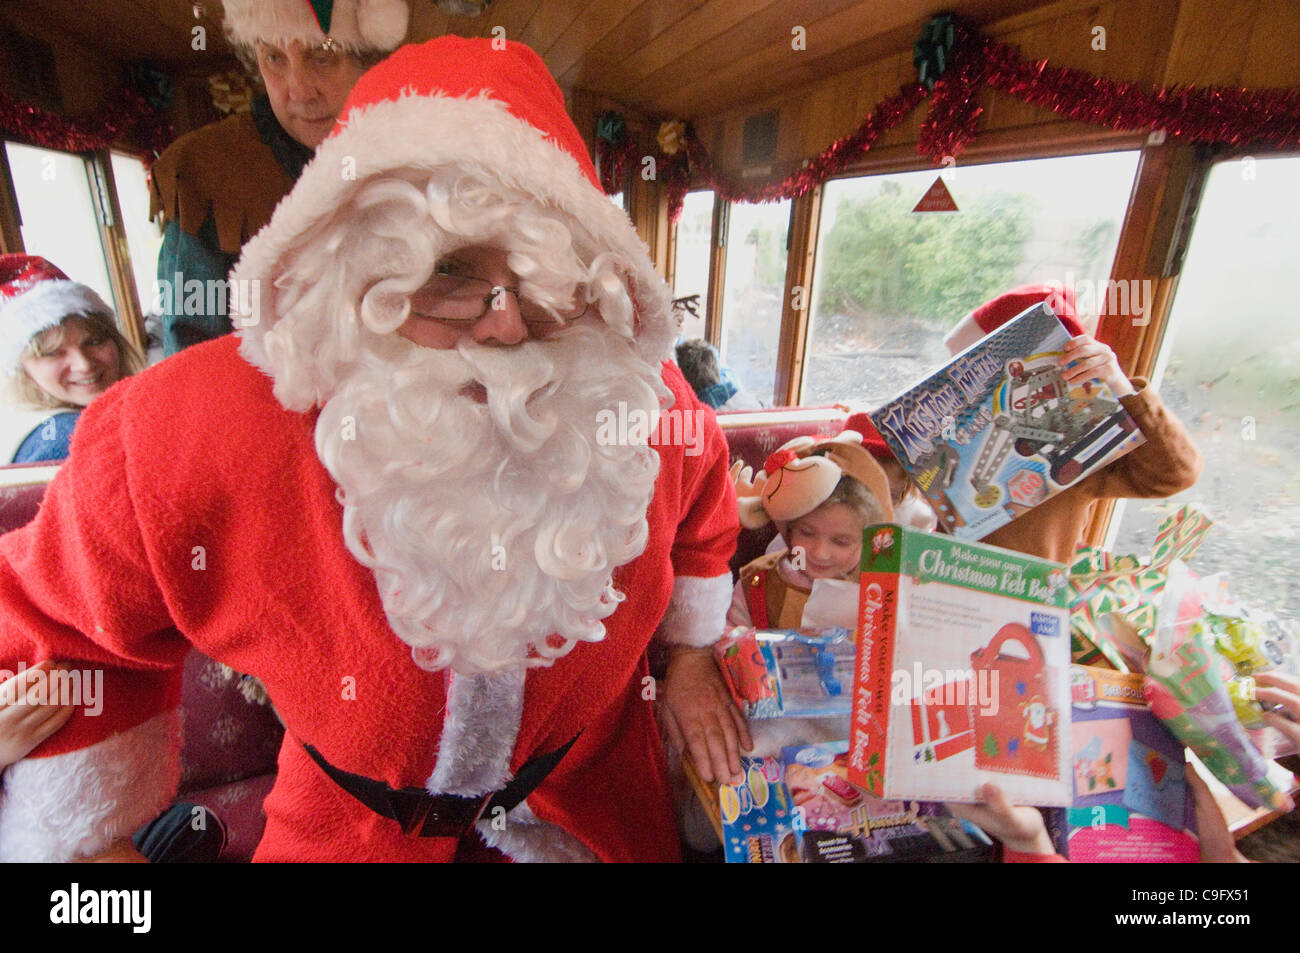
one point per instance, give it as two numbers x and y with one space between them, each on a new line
829 188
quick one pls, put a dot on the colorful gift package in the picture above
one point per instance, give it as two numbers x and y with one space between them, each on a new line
961 672
1197 648
788 673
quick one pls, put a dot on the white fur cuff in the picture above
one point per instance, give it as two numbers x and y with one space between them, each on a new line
697 611
74 805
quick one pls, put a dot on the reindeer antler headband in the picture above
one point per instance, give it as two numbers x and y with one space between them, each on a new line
801 475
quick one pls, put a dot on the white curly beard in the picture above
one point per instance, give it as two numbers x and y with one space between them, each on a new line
492 528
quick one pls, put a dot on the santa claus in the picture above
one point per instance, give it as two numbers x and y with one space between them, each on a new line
387 500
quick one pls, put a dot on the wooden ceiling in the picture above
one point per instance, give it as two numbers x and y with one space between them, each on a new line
685 58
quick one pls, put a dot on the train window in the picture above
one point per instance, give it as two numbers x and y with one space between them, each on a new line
691 261
890 283
58 213
754 286
1229 367
143 238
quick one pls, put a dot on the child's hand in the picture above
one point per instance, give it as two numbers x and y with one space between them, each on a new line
24 725
699 716
1089 359
1019 828
1274 688
1217 843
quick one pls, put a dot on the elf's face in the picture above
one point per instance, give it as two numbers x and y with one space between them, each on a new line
307 87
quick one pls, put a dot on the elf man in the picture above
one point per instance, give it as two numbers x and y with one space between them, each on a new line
398 515
217 186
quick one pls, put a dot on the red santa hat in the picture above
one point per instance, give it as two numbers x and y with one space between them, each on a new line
875 444
358 26
34 297
991 315
477 105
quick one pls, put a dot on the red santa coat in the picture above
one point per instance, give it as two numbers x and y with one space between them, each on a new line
194 510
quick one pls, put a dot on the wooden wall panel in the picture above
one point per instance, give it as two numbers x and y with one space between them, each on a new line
1152 42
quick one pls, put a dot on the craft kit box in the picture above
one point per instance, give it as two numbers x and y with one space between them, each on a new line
1132 803
961 675
997 431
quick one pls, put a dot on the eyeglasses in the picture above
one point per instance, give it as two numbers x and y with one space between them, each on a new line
464 299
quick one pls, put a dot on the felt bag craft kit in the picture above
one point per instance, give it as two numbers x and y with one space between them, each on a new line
961 673
996 430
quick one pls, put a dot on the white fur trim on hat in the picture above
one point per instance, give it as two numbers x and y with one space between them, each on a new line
75 805
697 611
476 135
41 308
356 25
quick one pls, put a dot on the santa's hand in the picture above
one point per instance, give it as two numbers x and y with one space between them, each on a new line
700 718
1019 828
26 721
1089 359
1274 688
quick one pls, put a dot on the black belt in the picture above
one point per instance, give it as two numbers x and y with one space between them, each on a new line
443 815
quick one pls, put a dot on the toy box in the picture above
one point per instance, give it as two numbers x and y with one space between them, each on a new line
786 673
997 431
837 822
961 673
1132 803
757 821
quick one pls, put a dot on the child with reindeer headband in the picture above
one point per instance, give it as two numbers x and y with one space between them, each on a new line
821 493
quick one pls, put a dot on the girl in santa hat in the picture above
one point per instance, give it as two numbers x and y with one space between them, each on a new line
59 349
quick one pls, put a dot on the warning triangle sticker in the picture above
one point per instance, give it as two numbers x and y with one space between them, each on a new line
936 199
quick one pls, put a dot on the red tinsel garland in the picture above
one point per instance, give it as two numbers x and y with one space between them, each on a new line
611 164
43 128
1269 117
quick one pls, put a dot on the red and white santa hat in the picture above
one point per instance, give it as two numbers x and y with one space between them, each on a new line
874 443
358 26
473 105
991 315
34 297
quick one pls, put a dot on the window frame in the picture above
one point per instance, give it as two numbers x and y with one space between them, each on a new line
98 167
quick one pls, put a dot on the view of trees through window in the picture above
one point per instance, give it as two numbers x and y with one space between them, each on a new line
757 237
890 282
